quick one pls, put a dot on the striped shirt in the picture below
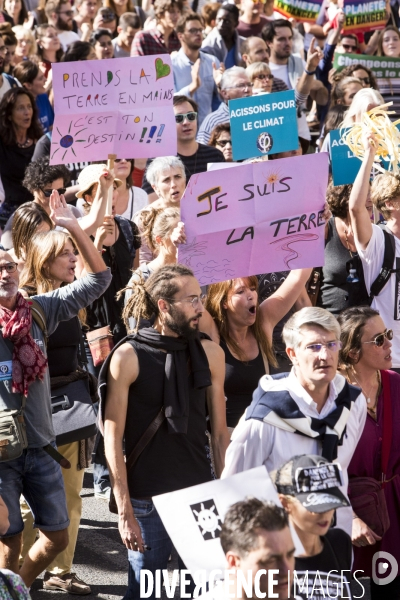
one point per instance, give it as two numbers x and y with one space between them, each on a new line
221 115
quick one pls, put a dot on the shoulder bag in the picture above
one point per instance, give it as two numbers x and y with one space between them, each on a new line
366 494
137 451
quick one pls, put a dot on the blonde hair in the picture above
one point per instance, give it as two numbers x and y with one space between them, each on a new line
43 249
27 34
385 187
217 295
257 68
158 222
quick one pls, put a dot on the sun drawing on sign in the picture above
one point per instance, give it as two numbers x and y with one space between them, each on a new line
67 141
207 520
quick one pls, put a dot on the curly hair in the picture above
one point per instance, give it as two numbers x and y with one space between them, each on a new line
161 7
244 520
158 222
40 173
216 132
143 303
338 198
352 322
385 188
349 72
7 133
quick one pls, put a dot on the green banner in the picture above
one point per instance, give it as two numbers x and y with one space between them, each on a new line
381 66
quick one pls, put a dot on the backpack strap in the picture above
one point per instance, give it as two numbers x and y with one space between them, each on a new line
11 80
387 265
40 318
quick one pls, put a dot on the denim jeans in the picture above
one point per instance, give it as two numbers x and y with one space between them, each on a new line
155 536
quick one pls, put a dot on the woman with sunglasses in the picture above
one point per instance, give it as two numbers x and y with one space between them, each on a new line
363 73
260 77
364 357
130 198
222 140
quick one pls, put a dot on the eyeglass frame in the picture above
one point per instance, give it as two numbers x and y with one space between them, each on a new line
186 116
2 267
241 86
223 143
385 335
194 302
262 76
349 46
337 345
366 80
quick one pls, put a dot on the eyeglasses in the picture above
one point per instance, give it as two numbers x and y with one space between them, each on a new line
69 13
194 301
366 80
349 47
379 339
331 346
261 77
239 86
190 116
9 267
107 16
48 193
194 31
223 143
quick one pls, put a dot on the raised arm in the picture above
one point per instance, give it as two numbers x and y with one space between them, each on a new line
274 308
360 221
92 221
123 371
307 83
61 215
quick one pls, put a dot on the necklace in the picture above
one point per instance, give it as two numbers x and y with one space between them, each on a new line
24 144
371 409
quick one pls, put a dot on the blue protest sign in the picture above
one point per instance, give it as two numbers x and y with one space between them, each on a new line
345 165
263 124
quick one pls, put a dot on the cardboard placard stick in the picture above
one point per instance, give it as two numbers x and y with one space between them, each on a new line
110 167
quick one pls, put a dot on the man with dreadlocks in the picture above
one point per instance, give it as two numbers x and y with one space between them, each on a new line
166 376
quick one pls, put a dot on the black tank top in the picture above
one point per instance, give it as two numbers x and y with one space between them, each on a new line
170 461
241 379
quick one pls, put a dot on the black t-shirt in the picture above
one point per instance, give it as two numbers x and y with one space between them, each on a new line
312 581
196 163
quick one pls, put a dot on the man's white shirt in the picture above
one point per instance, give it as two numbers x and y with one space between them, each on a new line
255 443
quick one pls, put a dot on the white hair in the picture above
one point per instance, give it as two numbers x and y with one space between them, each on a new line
361 101
308 316
229 75
162 164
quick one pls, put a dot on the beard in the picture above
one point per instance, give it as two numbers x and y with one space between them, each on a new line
8 290
63 25
179 324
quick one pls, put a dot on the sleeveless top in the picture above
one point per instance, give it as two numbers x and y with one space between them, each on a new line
170 461
335 289
241 380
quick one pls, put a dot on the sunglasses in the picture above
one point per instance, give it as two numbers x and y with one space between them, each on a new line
223 143
263 77
190 116
366 80
379 339
48 193
107 16
349 47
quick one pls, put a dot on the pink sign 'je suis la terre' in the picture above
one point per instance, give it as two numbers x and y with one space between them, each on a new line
119 106
255 218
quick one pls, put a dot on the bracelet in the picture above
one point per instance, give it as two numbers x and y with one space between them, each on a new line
310 72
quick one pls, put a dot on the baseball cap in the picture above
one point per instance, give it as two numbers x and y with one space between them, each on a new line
313 480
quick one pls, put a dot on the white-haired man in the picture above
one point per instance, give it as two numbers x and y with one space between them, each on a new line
311 410
234 84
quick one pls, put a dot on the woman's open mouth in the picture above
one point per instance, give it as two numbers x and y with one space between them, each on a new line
252 310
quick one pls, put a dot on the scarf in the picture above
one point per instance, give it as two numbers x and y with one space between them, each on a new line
28 361
176 386
278 408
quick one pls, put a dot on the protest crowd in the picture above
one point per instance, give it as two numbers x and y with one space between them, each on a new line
174 347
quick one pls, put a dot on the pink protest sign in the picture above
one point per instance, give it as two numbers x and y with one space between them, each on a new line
263 217
119 106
